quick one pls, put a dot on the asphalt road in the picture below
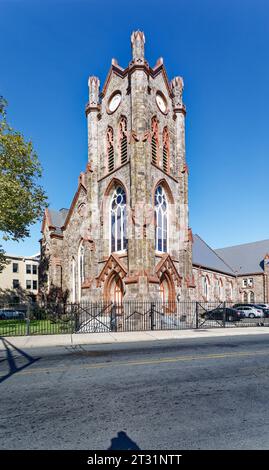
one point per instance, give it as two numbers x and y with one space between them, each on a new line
209 393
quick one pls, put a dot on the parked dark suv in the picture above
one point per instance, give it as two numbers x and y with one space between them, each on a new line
231 314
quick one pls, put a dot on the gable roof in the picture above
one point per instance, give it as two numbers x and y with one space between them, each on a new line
203 255
55 220
247 258
58 217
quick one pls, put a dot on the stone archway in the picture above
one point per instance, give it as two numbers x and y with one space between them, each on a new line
113 289
167 288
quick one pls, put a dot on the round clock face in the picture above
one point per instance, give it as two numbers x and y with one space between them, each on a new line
114 102
161 103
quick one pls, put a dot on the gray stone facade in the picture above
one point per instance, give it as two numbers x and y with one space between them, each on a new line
76 248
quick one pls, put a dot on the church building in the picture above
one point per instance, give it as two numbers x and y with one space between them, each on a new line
126 233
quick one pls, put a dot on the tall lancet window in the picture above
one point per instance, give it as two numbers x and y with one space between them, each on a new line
123 140
154 141
110 149
161 211
118 240
81 260
166 151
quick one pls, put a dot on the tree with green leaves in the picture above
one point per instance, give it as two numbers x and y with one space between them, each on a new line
22 198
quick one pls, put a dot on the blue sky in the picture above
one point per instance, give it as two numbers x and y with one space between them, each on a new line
49 48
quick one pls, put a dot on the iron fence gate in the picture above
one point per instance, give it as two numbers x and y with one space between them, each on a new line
101 317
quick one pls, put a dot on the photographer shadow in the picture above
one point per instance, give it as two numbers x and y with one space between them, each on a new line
123 442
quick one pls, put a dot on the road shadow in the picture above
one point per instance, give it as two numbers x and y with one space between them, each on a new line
10 359
123 442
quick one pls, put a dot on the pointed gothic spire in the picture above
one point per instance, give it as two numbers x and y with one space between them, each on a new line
94 85
177 86
138 46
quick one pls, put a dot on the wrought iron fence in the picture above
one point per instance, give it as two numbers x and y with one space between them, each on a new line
95 317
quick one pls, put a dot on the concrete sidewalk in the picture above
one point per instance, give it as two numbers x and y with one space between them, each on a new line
25 342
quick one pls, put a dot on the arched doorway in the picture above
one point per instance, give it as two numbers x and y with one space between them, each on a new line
114 289
167 291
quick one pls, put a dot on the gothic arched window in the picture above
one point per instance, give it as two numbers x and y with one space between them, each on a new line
154 141
231 290
81 267
166 151
251 297
118 240
73 268
110 149
219 289
245 297
205 287
123 140
161 211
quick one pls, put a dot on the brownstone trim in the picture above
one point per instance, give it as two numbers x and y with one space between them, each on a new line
114 68
112 185
190 235
131 279
164 172
72 207
113 171
89 108
133 66
190 282
214 271
56 235
109 267
163 182
166 264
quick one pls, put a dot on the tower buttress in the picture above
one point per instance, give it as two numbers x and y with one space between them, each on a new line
185 243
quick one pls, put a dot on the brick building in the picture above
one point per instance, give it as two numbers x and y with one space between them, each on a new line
126 233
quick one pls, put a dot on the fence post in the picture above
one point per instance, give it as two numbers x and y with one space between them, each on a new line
75 318
113 318
224 315
152 316
27 330
196 316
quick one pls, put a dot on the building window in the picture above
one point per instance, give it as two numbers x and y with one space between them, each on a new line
166 151
250 282
160 220
219 289
118 240
73 280
251 297
244 282
154 141
205 287
16 283
28 284
110 149
245 297
123 140
34 269
34 285
28 269
81 264
15 267
231 291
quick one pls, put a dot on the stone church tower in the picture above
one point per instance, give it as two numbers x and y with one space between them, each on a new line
126 233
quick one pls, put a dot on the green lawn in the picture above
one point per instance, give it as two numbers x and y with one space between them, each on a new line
37 327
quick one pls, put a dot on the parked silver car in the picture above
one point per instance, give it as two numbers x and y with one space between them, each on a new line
251 312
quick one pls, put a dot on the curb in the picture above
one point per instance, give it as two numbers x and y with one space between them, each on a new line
129 337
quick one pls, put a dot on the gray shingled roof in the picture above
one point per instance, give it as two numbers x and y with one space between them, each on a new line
247 258
203 255
58 219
